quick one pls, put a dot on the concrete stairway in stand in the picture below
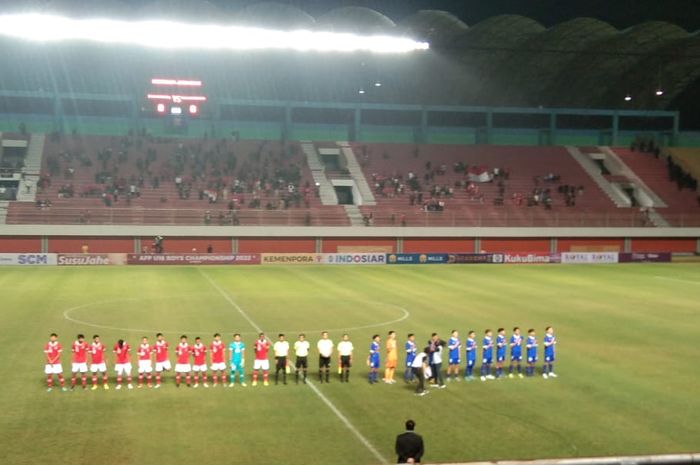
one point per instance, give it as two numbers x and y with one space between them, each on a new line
658 220
325 188
4 205
589 166
354 214
32 167
357 175
618 167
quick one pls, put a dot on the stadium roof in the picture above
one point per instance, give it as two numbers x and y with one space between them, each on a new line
503 60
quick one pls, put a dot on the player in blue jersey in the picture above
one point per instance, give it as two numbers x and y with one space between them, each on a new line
549 342
516 353
373 359
531 347
236 351
471 355
453 345
410 349
501 346
487 355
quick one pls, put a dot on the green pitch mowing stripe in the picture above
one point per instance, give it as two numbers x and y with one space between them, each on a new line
626 358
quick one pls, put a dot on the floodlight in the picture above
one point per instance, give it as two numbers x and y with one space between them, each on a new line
361 91
628 97
659 92
178 35
377 84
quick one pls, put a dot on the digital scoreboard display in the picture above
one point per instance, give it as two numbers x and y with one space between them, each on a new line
176 97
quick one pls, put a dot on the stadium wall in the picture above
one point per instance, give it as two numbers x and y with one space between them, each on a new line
128 239
259 130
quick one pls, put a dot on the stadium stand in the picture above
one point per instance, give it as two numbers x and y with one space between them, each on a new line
150 180
144 180
527 190
682 201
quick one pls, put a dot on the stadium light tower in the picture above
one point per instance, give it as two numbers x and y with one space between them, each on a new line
178 35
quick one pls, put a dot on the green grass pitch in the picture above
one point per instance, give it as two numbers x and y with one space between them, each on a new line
628 363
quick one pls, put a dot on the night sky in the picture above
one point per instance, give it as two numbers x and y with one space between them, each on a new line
620 13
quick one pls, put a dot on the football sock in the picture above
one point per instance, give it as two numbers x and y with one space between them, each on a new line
157 378
187 379
148 379
94 380
520 369
119 380
72 381
61 380
265 375
104 379
49 380
510 369
140 379
177 379
84 380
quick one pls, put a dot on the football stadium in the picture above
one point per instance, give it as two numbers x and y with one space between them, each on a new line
350 232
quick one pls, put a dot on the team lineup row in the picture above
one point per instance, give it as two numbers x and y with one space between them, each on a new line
191 359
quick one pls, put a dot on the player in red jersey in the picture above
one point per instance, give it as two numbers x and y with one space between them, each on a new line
218 366
162 362
97 359
262 347
53 350
79 365
123 363
199 351
145 363
182 351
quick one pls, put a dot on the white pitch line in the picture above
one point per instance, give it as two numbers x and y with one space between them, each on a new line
67 314
347 423
228 298
686 281
316 391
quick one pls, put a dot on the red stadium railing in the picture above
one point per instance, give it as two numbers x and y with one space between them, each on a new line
335 216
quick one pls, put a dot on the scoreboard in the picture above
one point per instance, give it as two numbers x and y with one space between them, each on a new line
176 97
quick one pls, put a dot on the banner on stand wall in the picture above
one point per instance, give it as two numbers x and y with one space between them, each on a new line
645 257
76 259
417 258
193 259
27 258
529 258
589 257
470 258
